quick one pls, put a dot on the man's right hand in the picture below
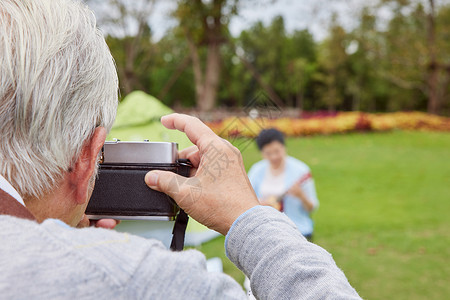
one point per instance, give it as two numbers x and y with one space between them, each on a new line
219 190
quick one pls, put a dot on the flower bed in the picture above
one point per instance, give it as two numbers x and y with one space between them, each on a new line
340 123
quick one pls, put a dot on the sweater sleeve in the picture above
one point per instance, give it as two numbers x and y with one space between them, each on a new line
181 275
280 263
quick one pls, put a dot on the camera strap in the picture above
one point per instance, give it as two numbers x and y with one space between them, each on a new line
179 231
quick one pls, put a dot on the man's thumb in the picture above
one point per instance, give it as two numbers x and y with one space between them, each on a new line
163 181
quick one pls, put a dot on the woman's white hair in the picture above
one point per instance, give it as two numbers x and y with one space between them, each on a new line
58 82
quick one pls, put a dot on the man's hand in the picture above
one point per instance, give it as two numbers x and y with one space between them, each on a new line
219 191
105 223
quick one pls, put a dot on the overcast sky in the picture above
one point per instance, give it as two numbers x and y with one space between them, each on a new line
314 15
298 14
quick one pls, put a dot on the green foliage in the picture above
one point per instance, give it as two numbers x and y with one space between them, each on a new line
134 73
376 66
286 62
334 63
407 54
170 52
196 18
383 211
367 88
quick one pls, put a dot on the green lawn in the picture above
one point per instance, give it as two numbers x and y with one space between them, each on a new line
384 210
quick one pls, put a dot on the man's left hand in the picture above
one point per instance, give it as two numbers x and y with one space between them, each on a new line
105 223
102 223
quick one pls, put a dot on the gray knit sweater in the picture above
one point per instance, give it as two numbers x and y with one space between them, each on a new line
53 261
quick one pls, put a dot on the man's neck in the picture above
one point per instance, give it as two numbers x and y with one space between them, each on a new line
57 204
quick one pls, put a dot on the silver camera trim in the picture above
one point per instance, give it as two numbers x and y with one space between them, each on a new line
117 152
120 217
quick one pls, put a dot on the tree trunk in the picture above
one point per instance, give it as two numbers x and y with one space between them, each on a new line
197 68
211 79
127 79
299 100
433 85
444 92
130 79
433 66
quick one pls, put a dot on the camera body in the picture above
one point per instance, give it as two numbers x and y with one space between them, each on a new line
120 191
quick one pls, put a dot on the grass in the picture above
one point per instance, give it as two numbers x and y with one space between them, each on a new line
384 210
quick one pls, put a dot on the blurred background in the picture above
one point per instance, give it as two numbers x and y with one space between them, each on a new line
360 88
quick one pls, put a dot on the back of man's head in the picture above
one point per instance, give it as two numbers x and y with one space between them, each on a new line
57 84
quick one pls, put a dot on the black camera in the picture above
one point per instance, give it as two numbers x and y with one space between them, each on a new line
120 191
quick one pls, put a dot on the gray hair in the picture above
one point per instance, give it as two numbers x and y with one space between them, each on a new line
58 82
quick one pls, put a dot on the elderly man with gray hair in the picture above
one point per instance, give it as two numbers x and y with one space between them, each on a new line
58 99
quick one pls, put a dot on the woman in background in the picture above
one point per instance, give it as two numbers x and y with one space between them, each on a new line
284 182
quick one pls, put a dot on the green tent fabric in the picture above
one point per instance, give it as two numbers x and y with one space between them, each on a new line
137 119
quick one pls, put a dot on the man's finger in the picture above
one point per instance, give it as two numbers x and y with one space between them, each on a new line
106 223
191 153
193 127
187 151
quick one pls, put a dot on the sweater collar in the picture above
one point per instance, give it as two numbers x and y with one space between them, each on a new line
11 203
8 188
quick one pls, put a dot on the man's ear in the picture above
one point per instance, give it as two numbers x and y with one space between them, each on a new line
85 164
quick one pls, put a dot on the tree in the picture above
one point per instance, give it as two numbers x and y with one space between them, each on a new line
171 77
280 63
333 61
443 48
412 40
301 67
129 38
204 24
368 89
